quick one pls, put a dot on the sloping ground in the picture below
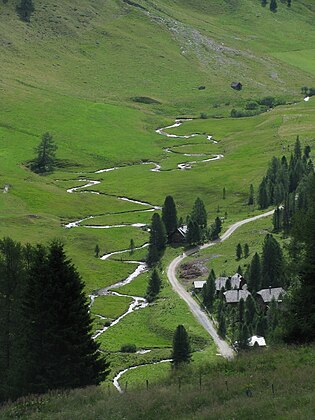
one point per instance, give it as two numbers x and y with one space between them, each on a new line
271 384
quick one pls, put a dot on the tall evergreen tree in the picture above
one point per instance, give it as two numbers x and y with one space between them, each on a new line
181 347
299 318
254 274
25 9
273 5
154 285
169 216
199 213
272 263
239 251
246 250
193 236
251 195
208 291
263 195
158 239
12 285
60 350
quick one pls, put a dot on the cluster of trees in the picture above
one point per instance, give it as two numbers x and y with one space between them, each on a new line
273 6
269 269
239 251
197 230
256 107
285 181
45 326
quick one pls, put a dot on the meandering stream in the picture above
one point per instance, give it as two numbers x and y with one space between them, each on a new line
138 302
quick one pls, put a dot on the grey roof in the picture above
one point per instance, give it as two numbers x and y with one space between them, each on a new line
235 282
234 296
183 230
270 293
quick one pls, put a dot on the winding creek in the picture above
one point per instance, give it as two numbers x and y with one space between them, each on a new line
138 302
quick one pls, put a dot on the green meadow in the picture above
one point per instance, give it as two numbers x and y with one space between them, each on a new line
75 70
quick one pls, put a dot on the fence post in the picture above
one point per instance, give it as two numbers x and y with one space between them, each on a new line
227 386
179 383
273 390
200 383
126 385
147 384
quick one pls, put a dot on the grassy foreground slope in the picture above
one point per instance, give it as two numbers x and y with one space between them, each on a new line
223 393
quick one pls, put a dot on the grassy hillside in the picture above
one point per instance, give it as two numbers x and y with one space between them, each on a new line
75 71
222 394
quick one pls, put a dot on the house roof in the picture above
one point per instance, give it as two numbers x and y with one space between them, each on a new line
236 84
183 230
271 293
234 296
198 284
235 282
256 340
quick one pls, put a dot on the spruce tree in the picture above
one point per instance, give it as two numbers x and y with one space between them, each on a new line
208 291
169 216
239 251
246 250
273 5
263 195
199 213
251 195
272 263
12 286
193 236
154 286
181 347
60 350
299 318
158 239
25 10
254 274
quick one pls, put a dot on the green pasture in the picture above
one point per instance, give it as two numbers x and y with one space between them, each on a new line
303 59
110 306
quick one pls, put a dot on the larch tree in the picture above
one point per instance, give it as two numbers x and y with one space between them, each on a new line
199 213
46 155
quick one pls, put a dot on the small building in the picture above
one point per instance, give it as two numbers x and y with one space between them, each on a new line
265 296
234 296
256 341
236 282
179 236
198 284
236 85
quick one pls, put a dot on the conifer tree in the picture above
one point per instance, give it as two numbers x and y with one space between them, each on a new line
273 5
46 155
199 213
208 291
12 285
97 251
272 263
154 286
181 347
254 274
246 250
25 10
157 241
251 195
60 351
239 251
169 216
193 236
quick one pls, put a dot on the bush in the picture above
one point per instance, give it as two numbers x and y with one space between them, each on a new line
204 116
251 105
128 348
145 100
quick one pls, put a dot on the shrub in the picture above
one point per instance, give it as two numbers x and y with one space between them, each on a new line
128 348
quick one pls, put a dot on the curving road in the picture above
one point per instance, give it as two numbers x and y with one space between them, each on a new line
201 316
